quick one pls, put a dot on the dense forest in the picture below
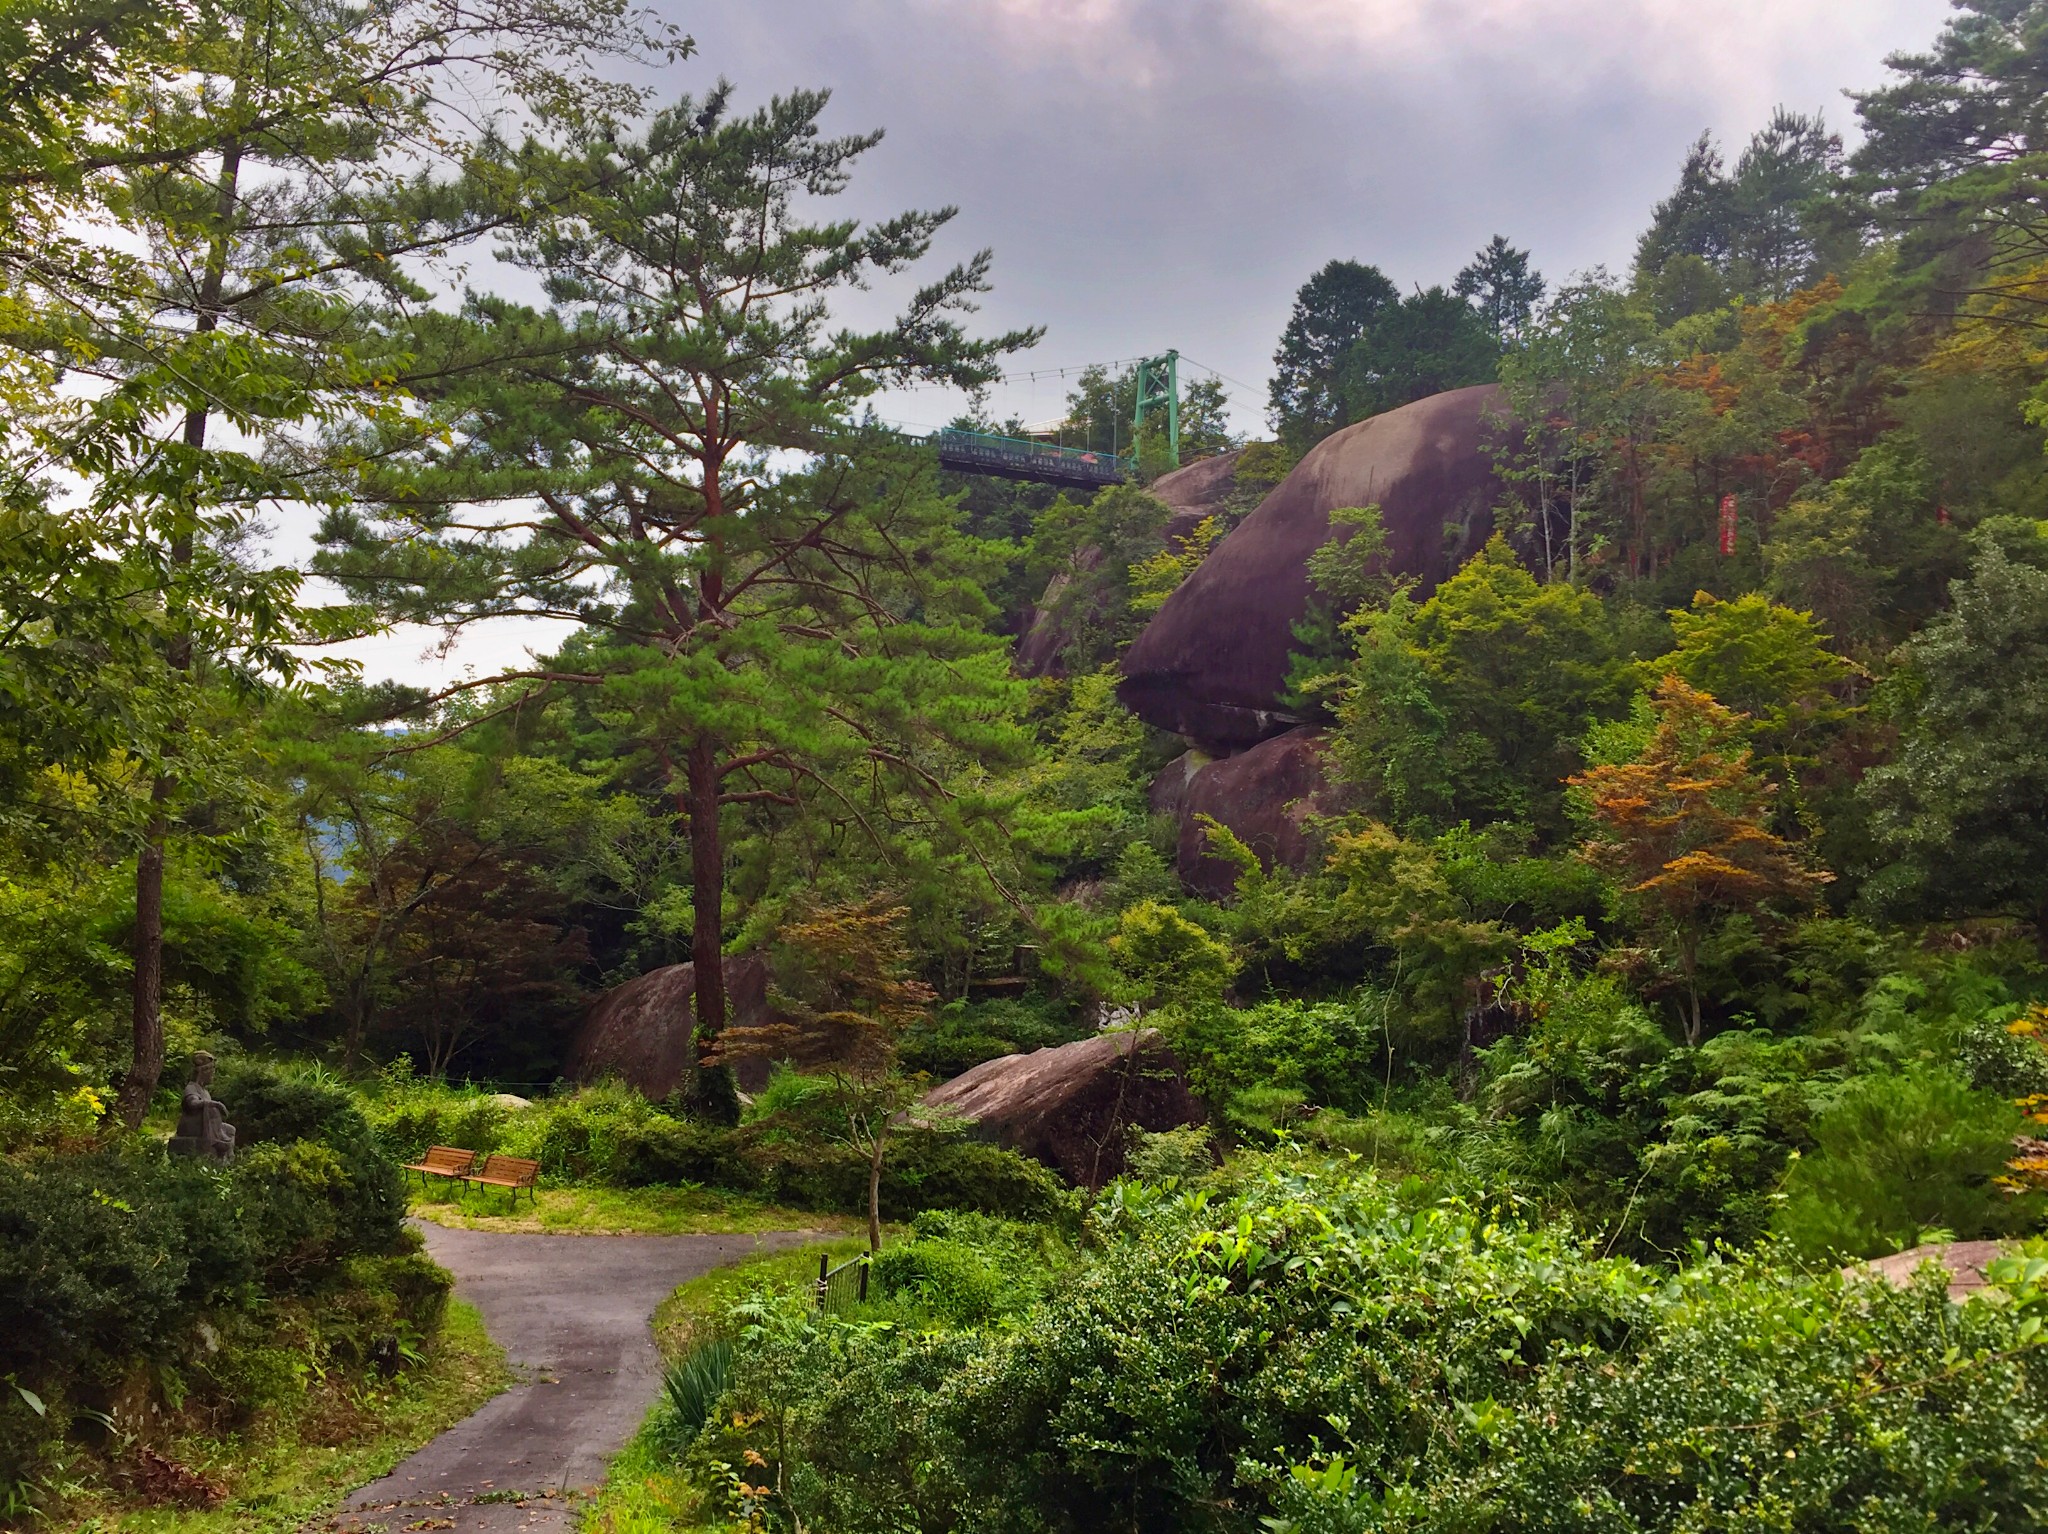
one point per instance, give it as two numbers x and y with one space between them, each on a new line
1664 928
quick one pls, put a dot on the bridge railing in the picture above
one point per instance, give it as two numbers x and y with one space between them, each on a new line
976 452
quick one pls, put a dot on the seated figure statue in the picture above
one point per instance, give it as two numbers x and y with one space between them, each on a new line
203 1129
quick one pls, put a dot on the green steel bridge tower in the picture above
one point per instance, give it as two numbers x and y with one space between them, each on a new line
979 452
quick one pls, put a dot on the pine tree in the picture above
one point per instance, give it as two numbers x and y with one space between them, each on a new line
193 204
1501 286
765 637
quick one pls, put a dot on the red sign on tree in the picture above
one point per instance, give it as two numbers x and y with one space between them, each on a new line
1727 524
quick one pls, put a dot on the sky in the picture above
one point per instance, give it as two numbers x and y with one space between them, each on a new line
1157 174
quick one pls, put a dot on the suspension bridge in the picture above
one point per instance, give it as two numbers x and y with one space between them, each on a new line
1050 462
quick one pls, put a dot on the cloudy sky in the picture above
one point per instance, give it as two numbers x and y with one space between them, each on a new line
1165 173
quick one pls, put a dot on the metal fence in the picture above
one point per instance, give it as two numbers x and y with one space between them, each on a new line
843 1287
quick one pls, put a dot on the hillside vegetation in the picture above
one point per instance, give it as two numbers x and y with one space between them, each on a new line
1670 934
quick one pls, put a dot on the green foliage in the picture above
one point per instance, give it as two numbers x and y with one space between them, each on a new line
1768 662
1958 816
962 1034
1429 342
1500 283
1467 707
693 1384
126 1259
317 1153
1901 1156
1334 308
1330 1054
1310 1352
1169 1157
1091 562
1346 575
1165 958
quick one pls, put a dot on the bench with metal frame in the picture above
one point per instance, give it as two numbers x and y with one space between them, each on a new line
450 1161
512 1173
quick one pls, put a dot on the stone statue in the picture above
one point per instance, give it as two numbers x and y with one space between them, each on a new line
203 1129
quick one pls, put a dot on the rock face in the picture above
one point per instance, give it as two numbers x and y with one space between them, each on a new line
1211 664
1196 490
1266 796
1965 1262
1191 493
1070 1106
639 1032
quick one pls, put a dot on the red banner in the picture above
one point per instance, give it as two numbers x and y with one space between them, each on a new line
1727 524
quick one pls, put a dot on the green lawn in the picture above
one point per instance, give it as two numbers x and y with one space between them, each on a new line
297 1465
590 1211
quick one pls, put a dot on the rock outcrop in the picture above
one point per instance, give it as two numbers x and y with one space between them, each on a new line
1211 664
1964 1261
1072 1106
639 1032
1266 796
1191 494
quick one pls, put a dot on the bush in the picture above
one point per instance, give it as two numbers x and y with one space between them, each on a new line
409 1116
1902 1158
1260 1065
960 1267
1315 1354
963 1034
126 1257
351 1178
949 1281
584 1136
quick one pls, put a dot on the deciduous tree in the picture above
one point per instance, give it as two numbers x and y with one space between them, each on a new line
845 994
1683 831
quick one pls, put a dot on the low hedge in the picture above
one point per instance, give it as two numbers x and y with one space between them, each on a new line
612 1135
921 1171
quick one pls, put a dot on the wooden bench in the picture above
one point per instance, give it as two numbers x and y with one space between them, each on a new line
442 1161
510 1172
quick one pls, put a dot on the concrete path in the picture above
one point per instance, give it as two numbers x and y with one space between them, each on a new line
571 1312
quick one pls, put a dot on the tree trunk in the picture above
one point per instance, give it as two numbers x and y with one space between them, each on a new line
875 1194
146 1065
147 1062
707 895
1689 961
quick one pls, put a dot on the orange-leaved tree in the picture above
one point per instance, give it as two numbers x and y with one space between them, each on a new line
842 998
1682 828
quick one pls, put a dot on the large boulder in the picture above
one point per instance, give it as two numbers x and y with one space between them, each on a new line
1072 1106
1191 494
1266 796
1963 1261
640 1032
1211 664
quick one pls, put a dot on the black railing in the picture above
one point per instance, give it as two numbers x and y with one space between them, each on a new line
843 1287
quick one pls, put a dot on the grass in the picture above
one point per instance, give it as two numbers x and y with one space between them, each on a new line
590 1211
700 1305
646 1491
297 1465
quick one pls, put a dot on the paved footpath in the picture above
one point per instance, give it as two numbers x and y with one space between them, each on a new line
572 1313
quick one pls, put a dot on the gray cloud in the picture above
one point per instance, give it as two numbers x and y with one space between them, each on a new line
1157 174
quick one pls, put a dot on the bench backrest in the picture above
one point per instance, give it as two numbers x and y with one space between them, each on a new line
514 1168
448 1158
